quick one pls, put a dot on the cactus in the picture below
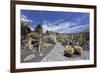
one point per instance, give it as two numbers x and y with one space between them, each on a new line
78 50
68 51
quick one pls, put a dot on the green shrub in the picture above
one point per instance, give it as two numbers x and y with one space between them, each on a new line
34 35
63 39
51 39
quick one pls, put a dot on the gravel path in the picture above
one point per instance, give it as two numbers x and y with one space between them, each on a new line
33 55
57 55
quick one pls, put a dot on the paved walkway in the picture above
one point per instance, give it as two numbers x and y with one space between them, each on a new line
57 55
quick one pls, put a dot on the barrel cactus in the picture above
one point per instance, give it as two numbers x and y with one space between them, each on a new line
78 50
69 51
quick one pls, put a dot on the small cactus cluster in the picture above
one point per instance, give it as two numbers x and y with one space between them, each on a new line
70 50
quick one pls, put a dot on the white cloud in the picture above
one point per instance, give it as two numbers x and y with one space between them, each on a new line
53 27
74 29
24 18
79 19
64 27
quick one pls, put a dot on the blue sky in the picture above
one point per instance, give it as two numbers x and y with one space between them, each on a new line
63 22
